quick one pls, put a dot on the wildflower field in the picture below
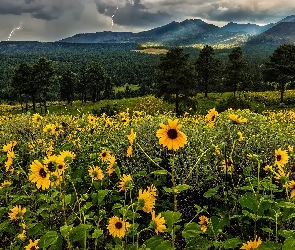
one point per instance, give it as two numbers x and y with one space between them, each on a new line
139 181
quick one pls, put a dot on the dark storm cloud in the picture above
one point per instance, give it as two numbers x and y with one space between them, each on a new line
41 9
132 13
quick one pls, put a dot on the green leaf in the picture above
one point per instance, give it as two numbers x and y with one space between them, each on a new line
64 230
248 200
182 187
101 195
154 241
79 232
218 223
232 243
211 192
289 243
68 199
267 230
168 190
287 233
191 230
270 245
97 233
50 238
164 245
171 217
159 172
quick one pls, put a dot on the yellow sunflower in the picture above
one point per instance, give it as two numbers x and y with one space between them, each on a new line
170 135
281 157
39 174
22 236
147 199
55 178
4 184
32 245
67 156
280 173
104 155
228 165
96 173
8 147
117 227
112 161
129 151
159 222
204 222
91 119
291 185
49 129
17 213
240 135
131 137
125 182
36 118
50 163
236 120
211 117
252 244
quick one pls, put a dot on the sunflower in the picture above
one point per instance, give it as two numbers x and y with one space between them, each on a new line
118 227
32 245
4 184
281 174
159 223
204 222
252 244
40 175
17 213
8 147
129 151
216 150
131 137
125 182
240 135
170 135
50 129
96 173
60 164
36 118
22 236
236 120
104 155
55 178
91 119
112 161
281 157
50 163
147 199
67 156
228 165
211 117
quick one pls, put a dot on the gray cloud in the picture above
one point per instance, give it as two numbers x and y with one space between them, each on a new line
42 9
132 13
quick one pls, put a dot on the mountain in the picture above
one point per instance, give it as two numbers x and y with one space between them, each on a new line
197 32
252 29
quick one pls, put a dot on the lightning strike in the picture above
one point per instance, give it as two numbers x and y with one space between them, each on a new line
17 28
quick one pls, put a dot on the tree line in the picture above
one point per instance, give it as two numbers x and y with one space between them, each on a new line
176 77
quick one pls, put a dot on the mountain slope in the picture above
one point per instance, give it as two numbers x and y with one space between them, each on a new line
252 29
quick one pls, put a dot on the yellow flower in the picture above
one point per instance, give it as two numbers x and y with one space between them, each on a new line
267 168
117 227
10 155
252 244
104 155
16 213
22 236
125 180
50 129
159 222
112 161
216 150
147 199
67 156
8 164
4 184
55 178
236 120
290 148
91 119
211 117
228 165
49 150
240 136
204 222
36 118
32 245
291 185
129 151
281 157
8 147
96 173
170 135
39 175
131 137
281 173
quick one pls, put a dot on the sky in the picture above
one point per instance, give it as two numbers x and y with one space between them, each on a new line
52 20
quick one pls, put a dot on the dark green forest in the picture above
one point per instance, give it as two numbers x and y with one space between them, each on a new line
41 72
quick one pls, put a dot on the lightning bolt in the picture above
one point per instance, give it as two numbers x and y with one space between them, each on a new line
17 28
113 17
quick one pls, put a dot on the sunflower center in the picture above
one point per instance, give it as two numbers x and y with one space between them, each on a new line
33 248
279 157
42 173
172 133
229 163
213 118
104 154
60 166
50 167
118 225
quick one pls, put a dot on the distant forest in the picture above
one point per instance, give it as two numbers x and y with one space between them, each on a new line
121 66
